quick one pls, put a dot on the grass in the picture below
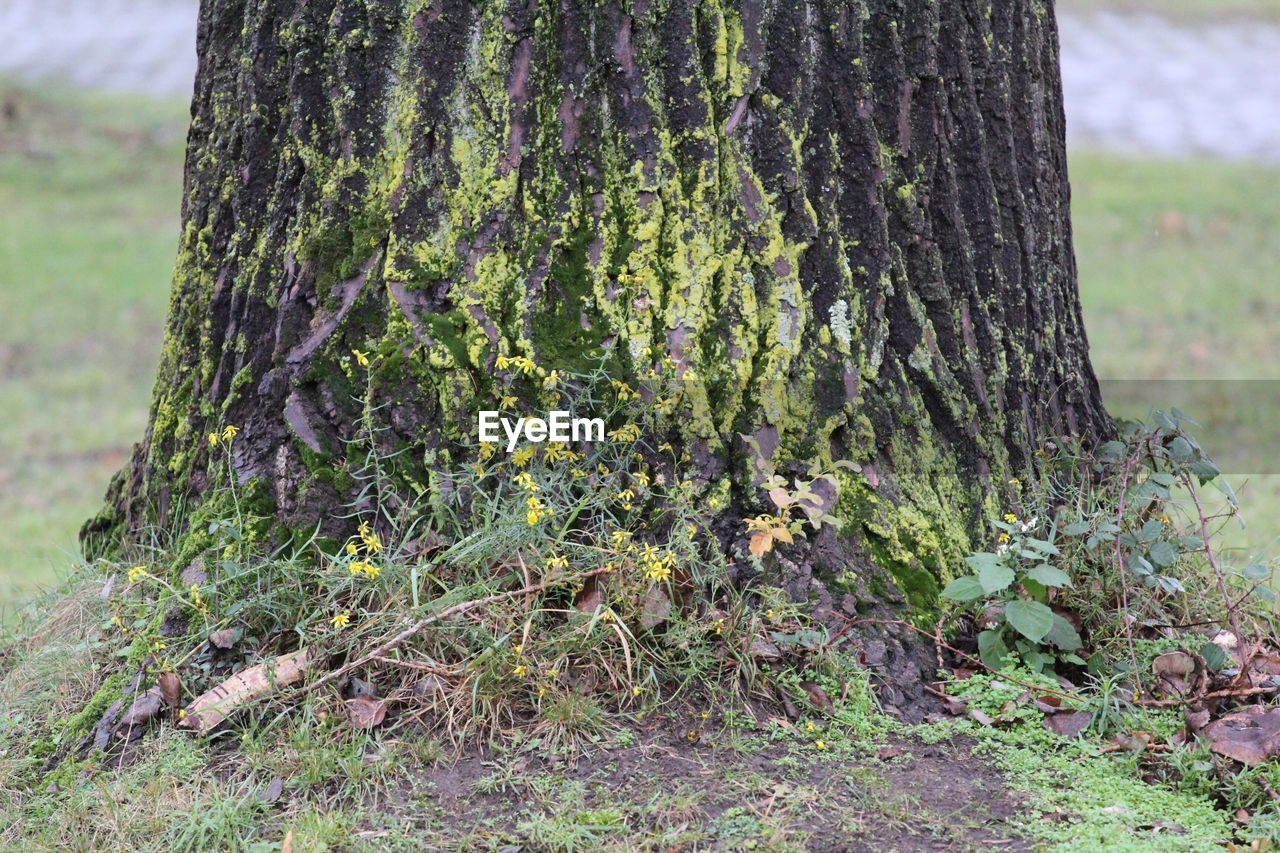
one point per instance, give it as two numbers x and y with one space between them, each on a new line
89 194
1190 10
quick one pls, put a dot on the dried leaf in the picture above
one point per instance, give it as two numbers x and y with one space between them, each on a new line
884 753
211 708
365 712
143 709
591 597
273 790
981 718
818 697
1068 724
224 639
1250 735
765 649
655 608
170 689
761 543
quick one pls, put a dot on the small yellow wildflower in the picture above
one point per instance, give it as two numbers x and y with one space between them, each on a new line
558 562
820 743
138 573
602 469
352 549
341 620
229 433
768 614
620 539
624 498
537 511
502 362
362 359
553 673
1014 481
522 457
810 727
520 670
519 647
635 691
158 646
372 542
214 439
578 474
364 567
626 433
525 481
487 450
1011 518
1003 538
641 477
507 402
666 447
552 380
556 451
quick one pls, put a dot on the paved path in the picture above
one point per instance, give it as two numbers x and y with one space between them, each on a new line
1133 82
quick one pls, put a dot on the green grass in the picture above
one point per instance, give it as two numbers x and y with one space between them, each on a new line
89 195
1180 280
1191 10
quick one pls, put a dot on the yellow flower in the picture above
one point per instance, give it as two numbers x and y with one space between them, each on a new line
620 539
507 402
363 567
1003 538
341 620
641 477
768 614
522 456
362 359
578 474
1014 481
558 562
537 511
525 481
213 439
487 450
519 647
666 447
352 549
556 450
1011 518
553 673
635 691
820 744
371 542
624 498
520 670
229 433
138 573
157 645
502 362
810 727
552 380
627 433
660 572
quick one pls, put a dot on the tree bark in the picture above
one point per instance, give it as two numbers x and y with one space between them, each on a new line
849 220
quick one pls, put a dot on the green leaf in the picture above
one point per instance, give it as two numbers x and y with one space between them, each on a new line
1256 572
983 558
1078 528
1214 656
966 588
991 648
1049 575
1164 478
1063 635
995 577
1162 553
1031 619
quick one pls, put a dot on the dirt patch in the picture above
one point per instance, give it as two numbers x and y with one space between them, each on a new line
664 791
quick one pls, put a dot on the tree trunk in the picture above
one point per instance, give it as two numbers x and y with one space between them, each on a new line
849 220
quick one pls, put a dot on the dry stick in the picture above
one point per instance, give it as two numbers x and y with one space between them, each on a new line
1228 693
1221 579
461 607
1121 570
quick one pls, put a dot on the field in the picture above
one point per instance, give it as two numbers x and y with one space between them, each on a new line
1178 265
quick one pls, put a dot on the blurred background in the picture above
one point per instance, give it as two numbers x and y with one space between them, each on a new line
1173 110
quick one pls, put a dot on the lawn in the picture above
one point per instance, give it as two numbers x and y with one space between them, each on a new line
1183 9
1179 274
89 194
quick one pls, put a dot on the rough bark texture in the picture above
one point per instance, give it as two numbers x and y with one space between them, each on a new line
849 220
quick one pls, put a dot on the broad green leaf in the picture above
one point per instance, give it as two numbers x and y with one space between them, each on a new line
1049 575
983 558
1163 553
1078 528
1031 619
1063 635
991 649
966 588
995 577
1214 656
1257 572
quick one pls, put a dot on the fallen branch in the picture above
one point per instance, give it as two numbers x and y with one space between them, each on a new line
211 708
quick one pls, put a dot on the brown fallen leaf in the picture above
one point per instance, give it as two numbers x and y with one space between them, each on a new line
981 718
143 709
1250 735
170 690
591 597
365 712
655 608
273 791
1069 724
286 846
211 708
884 753
224 639
763 648
818 697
